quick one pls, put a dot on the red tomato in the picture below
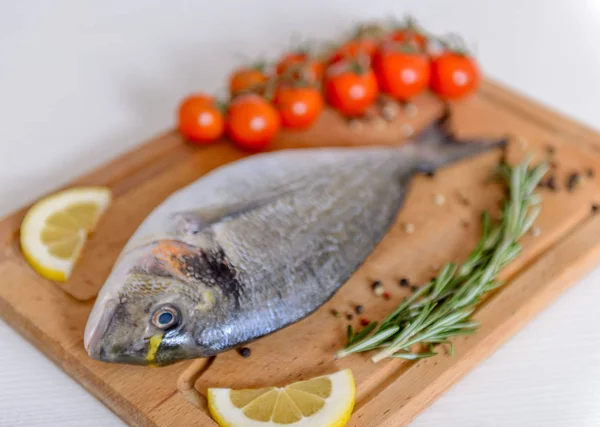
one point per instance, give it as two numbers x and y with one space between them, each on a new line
252 122
408 36
350 90
247 79
354 48
454 75
290 60
299 107
302 66
401 74
200 120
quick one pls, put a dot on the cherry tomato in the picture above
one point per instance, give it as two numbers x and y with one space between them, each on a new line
252 122
299 107
290 60
300 63
200 119
247 79
402 74
365 41
454 75
354 48
351 88
409 36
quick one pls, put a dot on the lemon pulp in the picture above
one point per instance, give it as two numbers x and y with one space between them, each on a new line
325 401
56 228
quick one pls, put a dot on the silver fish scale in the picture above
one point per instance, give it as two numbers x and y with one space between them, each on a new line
295 252
260 177
293 225
257 245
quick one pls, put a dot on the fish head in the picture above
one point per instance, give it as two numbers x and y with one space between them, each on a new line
150 309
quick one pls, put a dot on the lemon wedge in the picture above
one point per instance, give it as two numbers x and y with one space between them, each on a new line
325 401
56 228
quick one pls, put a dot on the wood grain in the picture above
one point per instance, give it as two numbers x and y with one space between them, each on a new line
391 393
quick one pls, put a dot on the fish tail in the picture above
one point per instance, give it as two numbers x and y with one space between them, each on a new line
437 145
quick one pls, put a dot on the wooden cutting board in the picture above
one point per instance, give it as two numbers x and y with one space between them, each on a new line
393 392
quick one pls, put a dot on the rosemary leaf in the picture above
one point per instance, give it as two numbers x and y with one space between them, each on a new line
368 343
529 220
442 308
350 335
413 356
363 333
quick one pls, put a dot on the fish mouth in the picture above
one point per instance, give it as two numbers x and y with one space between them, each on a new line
93 337
100 344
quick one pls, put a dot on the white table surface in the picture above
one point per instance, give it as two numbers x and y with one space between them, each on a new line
81 82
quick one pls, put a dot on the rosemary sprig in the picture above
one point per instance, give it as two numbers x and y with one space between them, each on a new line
442 308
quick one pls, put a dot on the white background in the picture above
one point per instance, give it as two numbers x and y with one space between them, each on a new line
81 82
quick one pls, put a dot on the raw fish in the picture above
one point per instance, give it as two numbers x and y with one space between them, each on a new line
255 246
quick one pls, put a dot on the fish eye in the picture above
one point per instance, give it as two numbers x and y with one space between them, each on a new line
165 317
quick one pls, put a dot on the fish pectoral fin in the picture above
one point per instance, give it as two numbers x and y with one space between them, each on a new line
194 221
437 145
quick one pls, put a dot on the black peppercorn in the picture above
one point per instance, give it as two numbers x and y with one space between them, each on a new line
245 352
573 181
